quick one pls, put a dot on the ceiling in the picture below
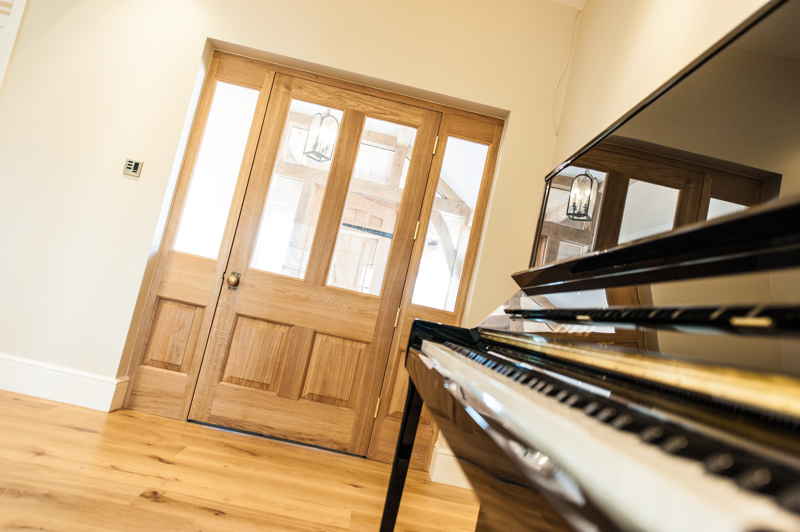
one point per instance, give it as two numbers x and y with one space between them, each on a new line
571 3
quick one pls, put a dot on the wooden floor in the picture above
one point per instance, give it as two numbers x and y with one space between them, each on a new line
68 468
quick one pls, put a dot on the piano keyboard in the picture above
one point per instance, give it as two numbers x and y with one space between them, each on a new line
648 474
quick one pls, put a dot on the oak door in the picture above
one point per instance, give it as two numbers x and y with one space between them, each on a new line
197 240
298 346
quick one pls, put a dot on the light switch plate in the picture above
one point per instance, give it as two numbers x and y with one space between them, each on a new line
133 168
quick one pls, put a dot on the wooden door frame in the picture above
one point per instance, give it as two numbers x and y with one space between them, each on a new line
474 129
244 71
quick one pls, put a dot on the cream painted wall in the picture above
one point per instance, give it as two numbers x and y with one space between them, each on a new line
626 49
93 82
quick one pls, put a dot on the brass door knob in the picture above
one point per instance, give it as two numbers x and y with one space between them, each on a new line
233 280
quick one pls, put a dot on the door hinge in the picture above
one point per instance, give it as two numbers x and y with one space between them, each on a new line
435 144
377 406
415 230
396 317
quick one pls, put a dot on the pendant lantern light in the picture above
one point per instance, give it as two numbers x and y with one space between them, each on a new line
582 197
322 135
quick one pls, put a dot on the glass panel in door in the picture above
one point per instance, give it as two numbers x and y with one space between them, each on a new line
373 203
296 190
718 207
213 181
649 210
450 224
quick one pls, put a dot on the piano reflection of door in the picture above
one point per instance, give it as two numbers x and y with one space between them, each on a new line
643 190
652 189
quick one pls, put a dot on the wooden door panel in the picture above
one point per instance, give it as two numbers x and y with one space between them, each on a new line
188 278
158 391
174 335
321 308
254 355
264 412
334 371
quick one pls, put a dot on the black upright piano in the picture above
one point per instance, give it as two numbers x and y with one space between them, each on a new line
646 375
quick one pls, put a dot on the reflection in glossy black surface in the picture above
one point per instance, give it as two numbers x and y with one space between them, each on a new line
508 501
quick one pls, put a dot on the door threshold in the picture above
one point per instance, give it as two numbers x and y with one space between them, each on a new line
275 438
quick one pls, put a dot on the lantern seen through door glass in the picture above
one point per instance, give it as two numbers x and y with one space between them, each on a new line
321 137
582 197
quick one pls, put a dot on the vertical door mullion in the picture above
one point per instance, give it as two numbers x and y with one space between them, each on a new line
330 216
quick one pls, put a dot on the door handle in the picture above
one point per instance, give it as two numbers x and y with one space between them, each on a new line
233 280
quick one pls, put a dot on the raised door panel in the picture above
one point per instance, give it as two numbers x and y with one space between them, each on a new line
256 348
174 336
334 371
157 391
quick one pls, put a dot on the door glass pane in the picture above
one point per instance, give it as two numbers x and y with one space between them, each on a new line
216 170
447 235
373 203
718 207
649 210
295 192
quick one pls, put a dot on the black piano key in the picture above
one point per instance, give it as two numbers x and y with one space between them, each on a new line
759 479
627 423
721 463
689 446
533 382
549 390
576 401
767 478
591 408
561 395
789 498
541 384
606 414
652 434
522 378
674 444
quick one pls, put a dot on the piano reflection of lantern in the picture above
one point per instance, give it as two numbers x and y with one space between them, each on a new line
651 380
582 197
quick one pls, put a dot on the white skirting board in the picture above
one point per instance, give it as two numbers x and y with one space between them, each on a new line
444 466
65 385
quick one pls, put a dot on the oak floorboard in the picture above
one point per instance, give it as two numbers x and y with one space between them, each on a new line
66 468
